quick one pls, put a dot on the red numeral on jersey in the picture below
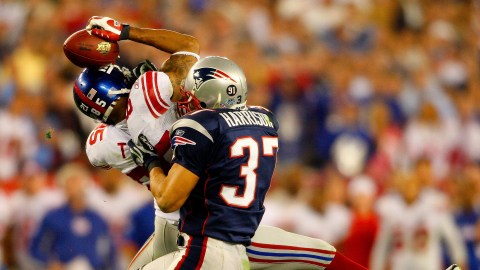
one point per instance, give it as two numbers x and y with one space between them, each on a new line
97 134
122 147
229 193
129 109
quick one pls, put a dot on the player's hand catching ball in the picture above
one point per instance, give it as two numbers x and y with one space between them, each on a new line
144 153
108 28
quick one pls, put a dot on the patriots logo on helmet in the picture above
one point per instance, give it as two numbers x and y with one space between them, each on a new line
179 140
203 75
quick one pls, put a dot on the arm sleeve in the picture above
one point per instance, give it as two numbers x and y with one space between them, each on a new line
192 145
107 148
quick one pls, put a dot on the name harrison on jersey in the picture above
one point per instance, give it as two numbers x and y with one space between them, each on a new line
246 118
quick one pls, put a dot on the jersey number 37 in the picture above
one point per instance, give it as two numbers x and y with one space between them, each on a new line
229 193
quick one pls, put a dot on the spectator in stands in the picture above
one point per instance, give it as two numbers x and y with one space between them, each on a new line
113 202
412 228
364 223
467 217
5 214
29 204
74 235
140 228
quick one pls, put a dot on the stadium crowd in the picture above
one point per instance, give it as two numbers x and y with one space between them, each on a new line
374 98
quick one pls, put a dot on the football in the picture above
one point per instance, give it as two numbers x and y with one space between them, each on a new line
85 50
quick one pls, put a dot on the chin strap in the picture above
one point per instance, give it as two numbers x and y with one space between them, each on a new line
108 112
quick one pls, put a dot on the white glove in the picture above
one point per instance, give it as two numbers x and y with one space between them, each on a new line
108 28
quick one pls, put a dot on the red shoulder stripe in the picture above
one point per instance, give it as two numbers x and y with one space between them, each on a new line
157 91
147 99
151 95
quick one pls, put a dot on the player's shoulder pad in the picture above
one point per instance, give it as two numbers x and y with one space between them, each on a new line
204 121
267 112
156 82
102 141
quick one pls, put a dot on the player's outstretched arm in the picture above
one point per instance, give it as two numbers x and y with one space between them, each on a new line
165 40
184 48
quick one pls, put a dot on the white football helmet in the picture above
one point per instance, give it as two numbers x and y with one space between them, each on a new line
217 82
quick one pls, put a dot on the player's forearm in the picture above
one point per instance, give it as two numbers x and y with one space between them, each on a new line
172 191
165 40
158 188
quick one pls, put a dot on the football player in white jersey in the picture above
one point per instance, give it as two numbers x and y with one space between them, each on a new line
412 230
151 110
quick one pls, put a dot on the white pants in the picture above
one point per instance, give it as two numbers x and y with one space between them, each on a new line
272 249
203 253
162 241
276 249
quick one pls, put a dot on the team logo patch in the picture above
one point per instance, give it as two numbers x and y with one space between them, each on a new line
203 75
179 140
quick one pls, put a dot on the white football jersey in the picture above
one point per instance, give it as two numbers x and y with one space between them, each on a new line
150 111
107 147
410 236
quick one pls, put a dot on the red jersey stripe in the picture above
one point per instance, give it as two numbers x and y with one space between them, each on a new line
147 99
202 254
184 257
157 92
159 108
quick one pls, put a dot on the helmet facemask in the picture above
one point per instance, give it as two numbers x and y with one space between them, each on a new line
188 103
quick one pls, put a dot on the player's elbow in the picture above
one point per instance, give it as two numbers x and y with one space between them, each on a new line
167 206
192 45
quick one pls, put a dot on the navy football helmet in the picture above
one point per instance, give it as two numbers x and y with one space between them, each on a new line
96 91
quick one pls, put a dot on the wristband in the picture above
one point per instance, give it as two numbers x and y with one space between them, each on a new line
125 33
187 53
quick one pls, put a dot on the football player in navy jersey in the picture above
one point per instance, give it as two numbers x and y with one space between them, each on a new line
227 215
224 157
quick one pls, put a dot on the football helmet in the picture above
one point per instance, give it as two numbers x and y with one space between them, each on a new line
217 82
96 91
188 103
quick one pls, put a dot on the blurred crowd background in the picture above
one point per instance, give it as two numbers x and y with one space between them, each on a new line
378 103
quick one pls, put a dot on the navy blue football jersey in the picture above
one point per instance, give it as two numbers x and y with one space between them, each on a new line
233 152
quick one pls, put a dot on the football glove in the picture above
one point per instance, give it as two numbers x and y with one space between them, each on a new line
143 67
144 154
108 28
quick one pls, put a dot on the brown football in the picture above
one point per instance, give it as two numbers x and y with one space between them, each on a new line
85 50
